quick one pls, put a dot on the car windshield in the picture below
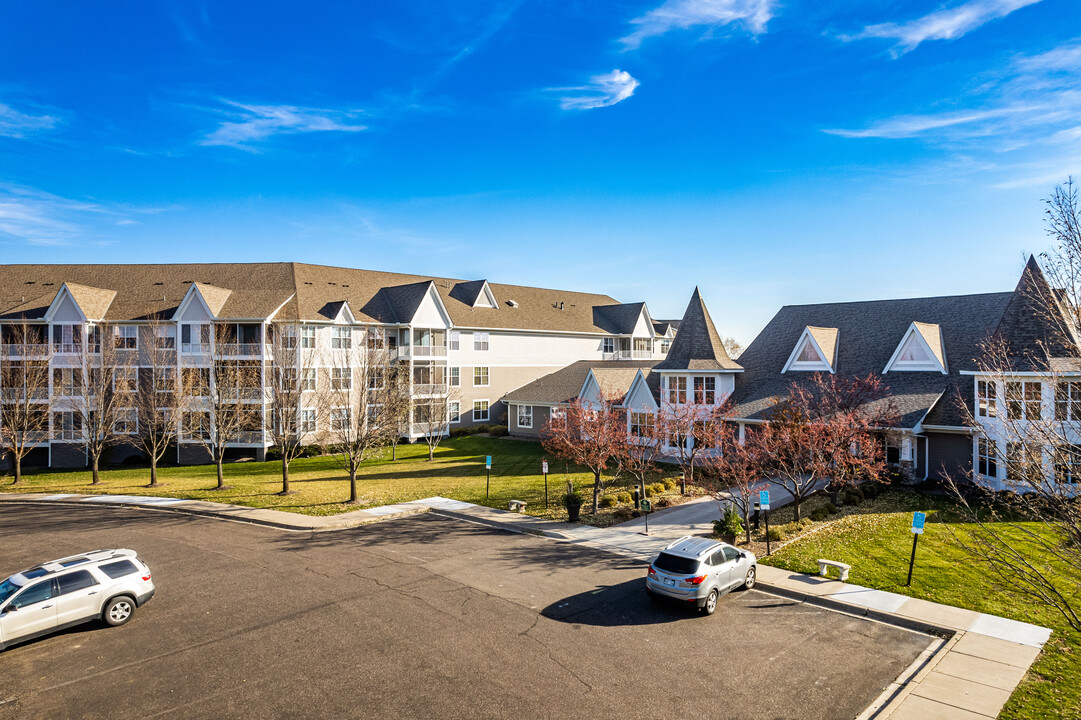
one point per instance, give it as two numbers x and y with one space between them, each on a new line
7 589
675 564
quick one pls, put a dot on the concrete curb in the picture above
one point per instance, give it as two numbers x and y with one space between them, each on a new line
519 527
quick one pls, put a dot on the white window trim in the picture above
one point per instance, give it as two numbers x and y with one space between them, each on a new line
897 365
804 366
487 376
487 410
452 376
458 404
518 416
134 421
480 338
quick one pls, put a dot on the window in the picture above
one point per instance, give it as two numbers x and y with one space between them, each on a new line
1023 400
165 337
196 381
808 354
454 340
1023 462
341 418
480 377
642 424
308 379
376 339
1068 464
93 340
127 337
127 422
194 336
375 378
67 338
341 378
307 420
455 376
455 409
608 345
677 390
480 411
986 397
66 381
342 339
666 345
705 390
125 380
480 341
987 455
1068 401
164 380
73 582
67 425
40 592
196 425
307 336
525 416
119 569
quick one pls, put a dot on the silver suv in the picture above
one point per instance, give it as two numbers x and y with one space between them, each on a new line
105 584
699 570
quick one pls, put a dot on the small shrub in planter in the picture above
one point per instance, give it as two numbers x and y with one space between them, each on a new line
729 526
624 497
607 501
775 534
573 502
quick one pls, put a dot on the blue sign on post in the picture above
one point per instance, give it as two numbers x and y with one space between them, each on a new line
488 462
763 499
918 519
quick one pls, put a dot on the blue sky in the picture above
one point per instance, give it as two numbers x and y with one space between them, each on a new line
769 151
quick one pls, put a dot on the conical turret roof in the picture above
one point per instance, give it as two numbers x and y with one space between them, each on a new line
697 345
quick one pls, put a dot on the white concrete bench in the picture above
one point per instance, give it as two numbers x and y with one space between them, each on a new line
825 565
516 506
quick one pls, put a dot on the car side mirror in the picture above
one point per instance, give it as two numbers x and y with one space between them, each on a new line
10 608
742 555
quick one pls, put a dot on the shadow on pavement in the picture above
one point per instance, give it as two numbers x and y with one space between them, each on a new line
618 605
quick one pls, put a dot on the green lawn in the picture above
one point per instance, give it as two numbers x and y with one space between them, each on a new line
877 543
322 485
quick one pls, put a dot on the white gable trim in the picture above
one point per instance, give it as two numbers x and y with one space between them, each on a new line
345 315
193 291
792 364
433 295
62 293
639 388
932 365
646 323
279 309
485 298
590 384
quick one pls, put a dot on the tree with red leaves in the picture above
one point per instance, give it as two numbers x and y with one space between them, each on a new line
825 432
592 434
738 467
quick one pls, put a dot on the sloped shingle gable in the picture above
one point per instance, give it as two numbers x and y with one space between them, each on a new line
697 345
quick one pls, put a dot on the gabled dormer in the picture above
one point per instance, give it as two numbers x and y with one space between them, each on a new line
79 303
339 313
921 350
417 304
816 351
202 303
475 294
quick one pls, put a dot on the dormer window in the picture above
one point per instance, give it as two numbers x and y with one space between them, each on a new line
921 350
815 351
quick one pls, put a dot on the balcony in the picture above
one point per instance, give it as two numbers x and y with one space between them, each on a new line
249 437
36 350
240 349
67 348
628 355
429 388
194 348
429 351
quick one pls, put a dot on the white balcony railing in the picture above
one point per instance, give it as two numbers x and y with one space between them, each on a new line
194 348
67 348
25 349
429 388
429 350
236 349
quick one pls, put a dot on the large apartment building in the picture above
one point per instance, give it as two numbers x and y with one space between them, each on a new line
471 340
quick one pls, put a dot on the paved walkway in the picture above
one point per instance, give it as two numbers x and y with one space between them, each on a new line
969 675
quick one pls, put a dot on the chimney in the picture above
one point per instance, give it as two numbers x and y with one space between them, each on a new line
560 304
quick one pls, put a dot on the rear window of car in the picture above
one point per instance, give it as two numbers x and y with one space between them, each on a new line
675 564
119 569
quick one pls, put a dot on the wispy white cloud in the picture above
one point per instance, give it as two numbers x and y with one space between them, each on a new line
945 24
19 124
602 91
906 126
249 124
751 15
40 218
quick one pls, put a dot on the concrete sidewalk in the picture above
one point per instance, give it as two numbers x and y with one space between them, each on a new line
969 675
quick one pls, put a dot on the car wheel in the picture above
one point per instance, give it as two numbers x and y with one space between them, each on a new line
118 611
751 577
711 602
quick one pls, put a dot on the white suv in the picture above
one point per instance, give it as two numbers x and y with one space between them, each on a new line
105 584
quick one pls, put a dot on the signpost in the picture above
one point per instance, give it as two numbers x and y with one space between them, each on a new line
918 519
544 471
646 507
488 467
763 503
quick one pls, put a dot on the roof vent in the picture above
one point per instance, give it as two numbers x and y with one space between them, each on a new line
512 303
560 304
159 283
29 282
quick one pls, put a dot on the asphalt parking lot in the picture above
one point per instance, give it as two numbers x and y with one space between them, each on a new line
427 617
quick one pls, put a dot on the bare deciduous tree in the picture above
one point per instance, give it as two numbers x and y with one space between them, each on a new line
1029 400
148 370
24 391
732 347
290 393
645 446
97 403
689 428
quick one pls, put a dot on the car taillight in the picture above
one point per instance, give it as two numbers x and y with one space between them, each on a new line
652 571
146 577
696 580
